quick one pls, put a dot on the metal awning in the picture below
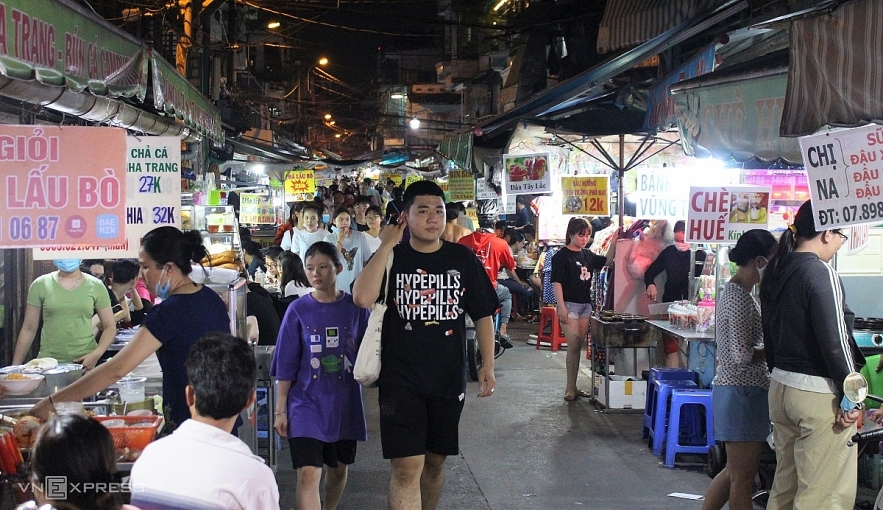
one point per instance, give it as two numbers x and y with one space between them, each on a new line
630 22
835 77
253 148
588 85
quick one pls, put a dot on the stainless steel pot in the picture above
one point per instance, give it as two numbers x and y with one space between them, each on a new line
57 378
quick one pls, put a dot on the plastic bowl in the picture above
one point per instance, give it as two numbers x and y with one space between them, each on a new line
18 386
114 423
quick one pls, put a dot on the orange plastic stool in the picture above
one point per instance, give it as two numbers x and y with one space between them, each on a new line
549 319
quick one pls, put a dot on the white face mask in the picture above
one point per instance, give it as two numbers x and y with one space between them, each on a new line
760 270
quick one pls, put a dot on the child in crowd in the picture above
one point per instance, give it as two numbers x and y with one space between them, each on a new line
318 402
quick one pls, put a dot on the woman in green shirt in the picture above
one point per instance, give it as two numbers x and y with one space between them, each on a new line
66 300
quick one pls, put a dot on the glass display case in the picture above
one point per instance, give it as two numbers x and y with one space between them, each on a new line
217 224
214 219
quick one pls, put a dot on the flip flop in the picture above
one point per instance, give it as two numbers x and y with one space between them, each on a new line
583 393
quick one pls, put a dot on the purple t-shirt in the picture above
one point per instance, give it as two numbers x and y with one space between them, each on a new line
316 351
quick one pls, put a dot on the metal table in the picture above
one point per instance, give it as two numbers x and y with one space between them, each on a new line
621 335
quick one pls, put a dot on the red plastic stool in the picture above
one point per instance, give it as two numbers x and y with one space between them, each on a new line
549 318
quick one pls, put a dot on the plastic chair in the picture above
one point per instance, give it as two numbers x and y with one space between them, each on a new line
664 389
660 374
701 439
555 339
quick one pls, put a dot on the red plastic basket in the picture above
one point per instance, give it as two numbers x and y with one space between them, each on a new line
138 432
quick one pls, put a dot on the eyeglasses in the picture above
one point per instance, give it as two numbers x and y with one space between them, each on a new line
371 216
841 234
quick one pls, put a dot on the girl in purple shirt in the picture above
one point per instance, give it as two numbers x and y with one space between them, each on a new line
318 402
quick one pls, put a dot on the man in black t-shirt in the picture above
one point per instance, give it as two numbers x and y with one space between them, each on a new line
433 283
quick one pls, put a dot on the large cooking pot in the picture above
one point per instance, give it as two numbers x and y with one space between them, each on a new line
57 378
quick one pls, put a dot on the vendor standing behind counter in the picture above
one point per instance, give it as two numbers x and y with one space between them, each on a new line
675 262
66 300
188 311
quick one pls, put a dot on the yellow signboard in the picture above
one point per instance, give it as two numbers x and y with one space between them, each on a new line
394 177
256 209
411 179
299 182
586 195
461 186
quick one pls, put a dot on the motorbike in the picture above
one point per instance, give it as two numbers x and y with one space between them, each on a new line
473 354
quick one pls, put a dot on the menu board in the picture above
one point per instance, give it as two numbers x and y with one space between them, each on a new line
721 214
526 174
299 184
461 186
152 198
256 209
844 173
58 189
586 196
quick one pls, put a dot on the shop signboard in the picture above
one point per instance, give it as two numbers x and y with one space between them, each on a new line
174 95
63 44
720 214
660 193
859 238
472 214
152 198
58 190
526 174
483 191
461 186
509 204
299 184
391 176
586 195
661 113
845 173
256 209
738 120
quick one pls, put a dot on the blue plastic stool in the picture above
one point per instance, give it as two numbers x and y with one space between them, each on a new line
701 439
663 389
658 374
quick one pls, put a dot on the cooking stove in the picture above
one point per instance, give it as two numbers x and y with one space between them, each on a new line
868 334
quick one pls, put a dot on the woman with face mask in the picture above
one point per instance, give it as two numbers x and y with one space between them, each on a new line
66 300
187 312
741 381
674 261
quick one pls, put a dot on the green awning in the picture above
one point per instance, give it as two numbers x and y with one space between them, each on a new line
458 149
59 43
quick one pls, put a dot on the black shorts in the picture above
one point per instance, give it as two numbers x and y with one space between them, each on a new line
413 424
306 451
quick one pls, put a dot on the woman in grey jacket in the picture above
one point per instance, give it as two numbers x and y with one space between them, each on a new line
807 331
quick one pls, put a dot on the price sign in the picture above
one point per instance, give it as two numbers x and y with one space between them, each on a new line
391 176
256 209
461 186
298 183
152 198
59 190
586 195
844 173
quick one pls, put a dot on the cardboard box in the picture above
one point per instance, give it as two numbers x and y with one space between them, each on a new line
625 392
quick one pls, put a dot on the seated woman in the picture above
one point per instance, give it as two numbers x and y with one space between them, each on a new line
293 281
80 451
252 256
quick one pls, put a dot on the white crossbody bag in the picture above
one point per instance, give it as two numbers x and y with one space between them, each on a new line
367 367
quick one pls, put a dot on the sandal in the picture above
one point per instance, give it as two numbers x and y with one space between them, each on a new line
583 393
